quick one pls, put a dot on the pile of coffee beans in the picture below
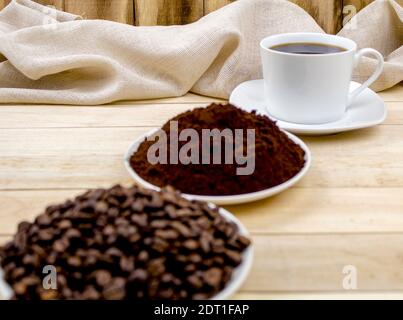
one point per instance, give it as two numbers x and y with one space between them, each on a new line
124 243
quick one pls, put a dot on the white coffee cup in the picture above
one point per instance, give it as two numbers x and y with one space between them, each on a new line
312 88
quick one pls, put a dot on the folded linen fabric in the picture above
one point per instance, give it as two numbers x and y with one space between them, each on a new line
49 56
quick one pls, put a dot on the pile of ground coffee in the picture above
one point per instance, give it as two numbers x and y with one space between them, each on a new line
277 157
125 243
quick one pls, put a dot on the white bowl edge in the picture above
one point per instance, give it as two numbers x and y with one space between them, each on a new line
224 200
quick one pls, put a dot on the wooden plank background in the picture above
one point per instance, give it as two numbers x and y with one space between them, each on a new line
328 13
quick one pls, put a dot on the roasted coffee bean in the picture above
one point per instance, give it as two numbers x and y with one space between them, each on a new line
44 220
143 256
32 260
159 224
182 229
140 275
102 277
140 219
213 277
127 264
167 234
18 272
115 290
244 242
195 258
114 252
160 245
191 244
113 212
205 241
65 224
72 233
61 245
109 230
48 295
101 207
90 293
45 235
156 267
195 281
23 226
125 244
74 261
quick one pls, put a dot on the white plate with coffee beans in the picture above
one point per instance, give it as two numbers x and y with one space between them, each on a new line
223 200
151 200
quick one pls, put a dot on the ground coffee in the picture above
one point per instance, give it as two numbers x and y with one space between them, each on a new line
124 243
277 158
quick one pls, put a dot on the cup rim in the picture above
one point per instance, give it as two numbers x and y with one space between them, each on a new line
352 47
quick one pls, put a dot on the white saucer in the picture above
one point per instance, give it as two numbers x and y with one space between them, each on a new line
239 275
366 111
224 200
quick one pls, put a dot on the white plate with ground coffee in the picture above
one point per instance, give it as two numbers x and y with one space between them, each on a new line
366 111
224 200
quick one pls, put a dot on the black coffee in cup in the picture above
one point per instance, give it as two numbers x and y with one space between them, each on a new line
307 48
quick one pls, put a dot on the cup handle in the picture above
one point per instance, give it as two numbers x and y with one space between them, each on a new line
374 76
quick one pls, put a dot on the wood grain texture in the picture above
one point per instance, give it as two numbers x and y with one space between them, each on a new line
212 5
312 211
328 13
167 12
52 158
115 10
4 3
145 115
347 295
58 4
295 263
346 211
314 263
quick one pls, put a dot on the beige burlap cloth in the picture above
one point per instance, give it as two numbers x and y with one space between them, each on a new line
47 56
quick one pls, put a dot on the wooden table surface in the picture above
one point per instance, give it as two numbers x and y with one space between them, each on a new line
348 210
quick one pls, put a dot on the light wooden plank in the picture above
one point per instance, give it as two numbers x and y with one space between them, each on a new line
314 264
363 158
78 158
160 12
4 3
395 114
187 98
297 211
58 4
82 157
287 263
325 210
327 13
115 10
146 115
212 5
320 296
393 94
85 117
